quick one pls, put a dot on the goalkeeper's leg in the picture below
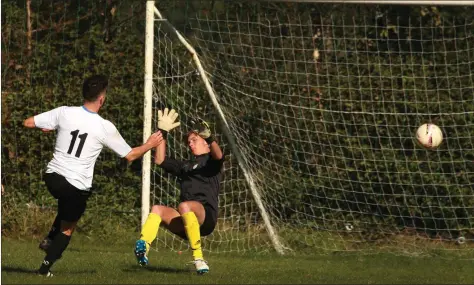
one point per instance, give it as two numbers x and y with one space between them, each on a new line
149 231
193 215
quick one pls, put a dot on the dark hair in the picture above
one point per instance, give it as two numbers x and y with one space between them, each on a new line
93 86
187 134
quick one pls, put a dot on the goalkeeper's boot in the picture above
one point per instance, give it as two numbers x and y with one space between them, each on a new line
141 250
201 266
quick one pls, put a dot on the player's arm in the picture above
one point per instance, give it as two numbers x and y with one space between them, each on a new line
115 142
160 152
29 123
202 128
170 165
46 121
216 151
166 122
136 152
217 156
173 166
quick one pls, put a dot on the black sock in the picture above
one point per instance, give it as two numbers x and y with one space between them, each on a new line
56 228
60 243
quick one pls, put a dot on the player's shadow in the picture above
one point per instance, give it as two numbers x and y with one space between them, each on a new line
78 271
34 271
161 269
17 269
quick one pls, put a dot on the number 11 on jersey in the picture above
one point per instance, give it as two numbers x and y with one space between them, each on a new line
82 137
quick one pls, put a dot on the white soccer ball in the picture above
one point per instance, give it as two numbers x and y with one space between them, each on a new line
429 136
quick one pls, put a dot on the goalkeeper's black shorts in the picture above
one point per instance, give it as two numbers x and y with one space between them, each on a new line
72 202
209 224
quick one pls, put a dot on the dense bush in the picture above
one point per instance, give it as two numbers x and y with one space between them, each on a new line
383 180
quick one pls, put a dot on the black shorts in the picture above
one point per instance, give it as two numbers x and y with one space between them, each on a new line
209 224
72 202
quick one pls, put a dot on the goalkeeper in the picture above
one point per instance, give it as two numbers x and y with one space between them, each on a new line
199 179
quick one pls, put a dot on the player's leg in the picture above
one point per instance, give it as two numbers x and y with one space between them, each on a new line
207 227
49 178
171 219
210 221
159 214
193 215
72 206
55 229
57 247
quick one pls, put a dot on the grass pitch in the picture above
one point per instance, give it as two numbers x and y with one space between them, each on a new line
88 261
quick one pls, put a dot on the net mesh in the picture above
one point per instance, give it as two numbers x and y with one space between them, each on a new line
324 111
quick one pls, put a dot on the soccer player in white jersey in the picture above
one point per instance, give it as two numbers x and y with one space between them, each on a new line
81 136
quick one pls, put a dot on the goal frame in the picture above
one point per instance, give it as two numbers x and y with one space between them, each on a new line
151 12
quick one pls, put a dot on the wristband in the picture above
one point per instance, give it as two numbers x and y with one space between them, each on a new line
164 133
210 139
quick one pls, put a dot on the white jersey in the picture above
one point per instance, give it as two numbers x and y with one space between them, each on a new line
81 135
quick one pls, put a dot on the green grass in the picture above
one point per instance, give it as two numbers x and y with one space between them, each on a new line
90 261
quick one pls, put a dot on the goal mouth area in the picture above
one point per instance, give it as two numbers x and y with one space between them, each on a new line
318 111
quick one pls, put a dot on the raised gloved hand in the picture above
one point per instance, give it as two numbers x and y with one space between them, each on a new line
166 121
202 128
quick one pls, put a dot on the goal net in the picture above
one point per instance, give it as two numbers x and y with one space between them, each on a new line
322 102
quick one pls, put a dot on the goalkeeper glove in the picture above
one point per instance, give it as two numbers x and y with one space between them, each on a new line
202 128
166 121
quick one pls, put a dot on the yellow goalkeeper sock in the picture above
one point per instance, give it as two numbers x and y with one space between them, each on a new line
150 229
191 225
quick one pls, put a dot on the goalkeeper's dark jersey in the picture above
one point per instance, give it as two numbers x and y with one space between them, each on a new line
199 178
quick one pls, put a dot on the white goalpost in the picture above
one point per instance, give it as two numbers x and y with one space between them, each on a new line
147 108
317 114
240 160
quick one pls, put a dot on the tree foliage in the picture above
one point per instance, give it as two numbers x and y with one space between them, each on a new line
381 60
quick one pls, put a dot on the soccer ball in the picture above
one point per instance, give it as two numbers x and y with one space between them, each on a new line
429 136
